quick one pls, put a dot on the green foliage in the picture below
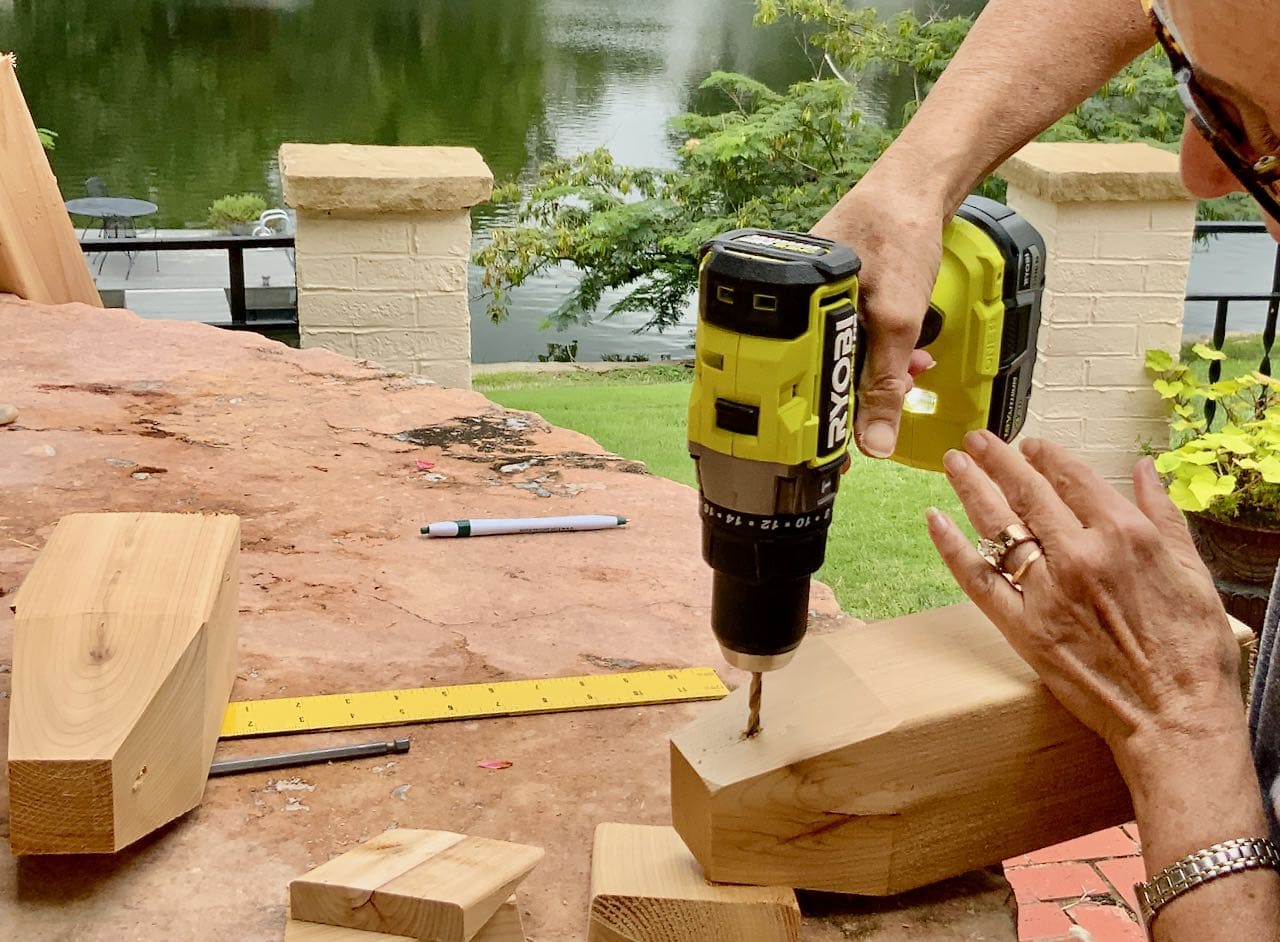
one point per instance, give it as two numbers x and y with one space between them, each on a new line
241 208
48 139
859 41
1232 470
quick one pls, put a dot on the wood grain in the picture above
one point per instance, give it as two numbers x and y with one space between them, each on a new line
505 925
891 756
40 257
124 657
433 885
647 887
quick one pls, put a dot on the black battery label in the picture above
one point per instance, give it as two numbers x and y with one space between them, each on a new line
835 408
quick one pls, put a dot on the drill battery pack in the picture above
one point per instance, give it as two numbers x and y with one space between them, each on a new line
981 329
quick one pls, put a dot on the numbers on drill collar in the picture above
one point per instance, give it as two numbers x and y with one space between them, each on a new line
766 524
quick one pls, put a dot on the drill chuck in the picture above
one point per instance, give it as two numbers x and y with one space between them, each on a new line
764 534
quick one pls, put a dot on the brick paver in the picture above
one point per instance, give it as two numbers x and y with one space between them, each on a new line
1086 883
1055 881
1042 921
1122 873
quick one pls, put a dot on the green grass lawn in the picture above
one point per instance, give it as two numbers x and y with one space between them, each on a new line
879 559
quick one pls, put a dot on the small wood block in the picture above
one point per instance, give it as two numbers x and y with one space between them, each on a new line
891 756
647 887
432 885
505 926
124 657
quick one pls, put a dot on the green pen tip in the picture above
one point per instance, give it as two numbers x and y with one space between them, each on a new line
426 530
622 521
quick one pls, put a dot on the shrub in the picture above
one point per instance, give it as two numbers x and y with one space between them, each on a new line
1230 471
245 207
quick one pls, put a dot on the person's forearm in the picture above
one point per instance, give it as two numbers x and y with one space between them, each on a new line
1187 799
1024 64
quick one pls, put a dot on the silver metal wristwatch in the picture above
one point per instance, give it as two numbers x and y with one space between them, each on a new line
1220 860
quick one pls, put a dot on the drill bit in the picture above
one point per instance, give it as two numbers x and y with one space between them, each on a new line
753 704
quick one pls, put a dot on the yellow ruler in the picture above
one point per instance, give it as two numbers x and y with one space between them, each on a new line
469 701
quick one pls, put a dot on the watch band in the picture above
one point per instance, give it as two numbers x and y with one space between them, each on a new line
1234 856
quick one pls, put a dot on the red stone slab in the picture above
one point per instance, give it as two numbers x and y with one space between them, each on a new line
339 592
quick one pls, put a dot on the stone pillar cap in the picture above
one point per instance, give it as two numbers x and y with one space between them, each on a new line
1095 172
350 179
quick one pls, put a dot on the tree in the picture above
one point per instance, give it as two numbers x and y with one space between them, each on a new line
766 158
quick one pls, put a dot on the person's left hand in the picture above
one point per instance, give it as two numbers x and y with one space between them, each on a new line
1120 617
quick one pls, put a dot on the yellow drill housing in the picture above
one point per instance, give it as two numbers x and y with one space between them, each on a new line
770 417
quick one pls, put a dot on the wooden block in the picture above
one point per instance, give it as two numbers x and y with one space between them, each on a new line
40 257
647 887
891 756
432 885
124 657
505 925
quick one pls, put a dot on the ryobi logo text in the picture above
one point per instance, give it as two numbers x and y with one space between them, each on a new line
837 382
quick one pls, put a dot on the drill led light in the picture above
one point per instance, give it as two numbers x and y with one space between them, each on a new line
920 402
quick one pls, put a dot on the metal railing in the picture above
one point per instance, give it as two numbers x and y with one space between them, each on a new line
1224 302
234 246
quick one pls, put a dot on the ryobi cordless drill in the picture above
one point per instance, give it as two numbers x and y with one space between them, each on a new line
779 348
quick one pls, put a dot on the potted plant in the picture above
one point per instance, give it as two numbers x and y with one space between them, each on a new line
1226 476
237 214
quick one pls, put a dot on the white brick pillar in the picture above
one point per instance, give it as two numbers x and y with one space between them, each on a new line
1118 227
384 236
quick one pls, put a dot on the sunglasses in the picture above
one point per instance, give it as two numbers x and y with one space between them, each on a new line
1259 175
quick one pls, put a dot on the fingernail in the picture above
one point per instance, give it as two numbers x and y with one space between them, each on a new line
937 520
975 443
932 364
878 439
955 461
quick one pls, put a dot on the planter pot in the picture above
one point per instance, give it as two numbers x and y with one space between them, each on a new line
1235 553
242 228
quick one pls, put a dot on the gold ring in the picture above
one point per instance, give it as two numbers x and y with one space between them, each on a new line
1016 578
995 550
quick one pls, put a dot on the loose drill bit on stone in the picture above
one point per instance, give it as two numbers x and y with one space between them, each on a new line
753 704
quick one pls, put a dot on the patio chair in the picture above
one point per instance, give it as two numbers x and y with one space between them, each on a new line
277 222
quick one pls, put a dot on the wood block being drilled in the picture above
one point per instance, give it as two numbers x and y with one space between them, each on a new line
891 756
432 885
647 887
124 657
505 925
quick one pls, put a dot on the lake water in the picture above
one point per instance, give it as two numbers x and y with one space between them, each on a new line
182 101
